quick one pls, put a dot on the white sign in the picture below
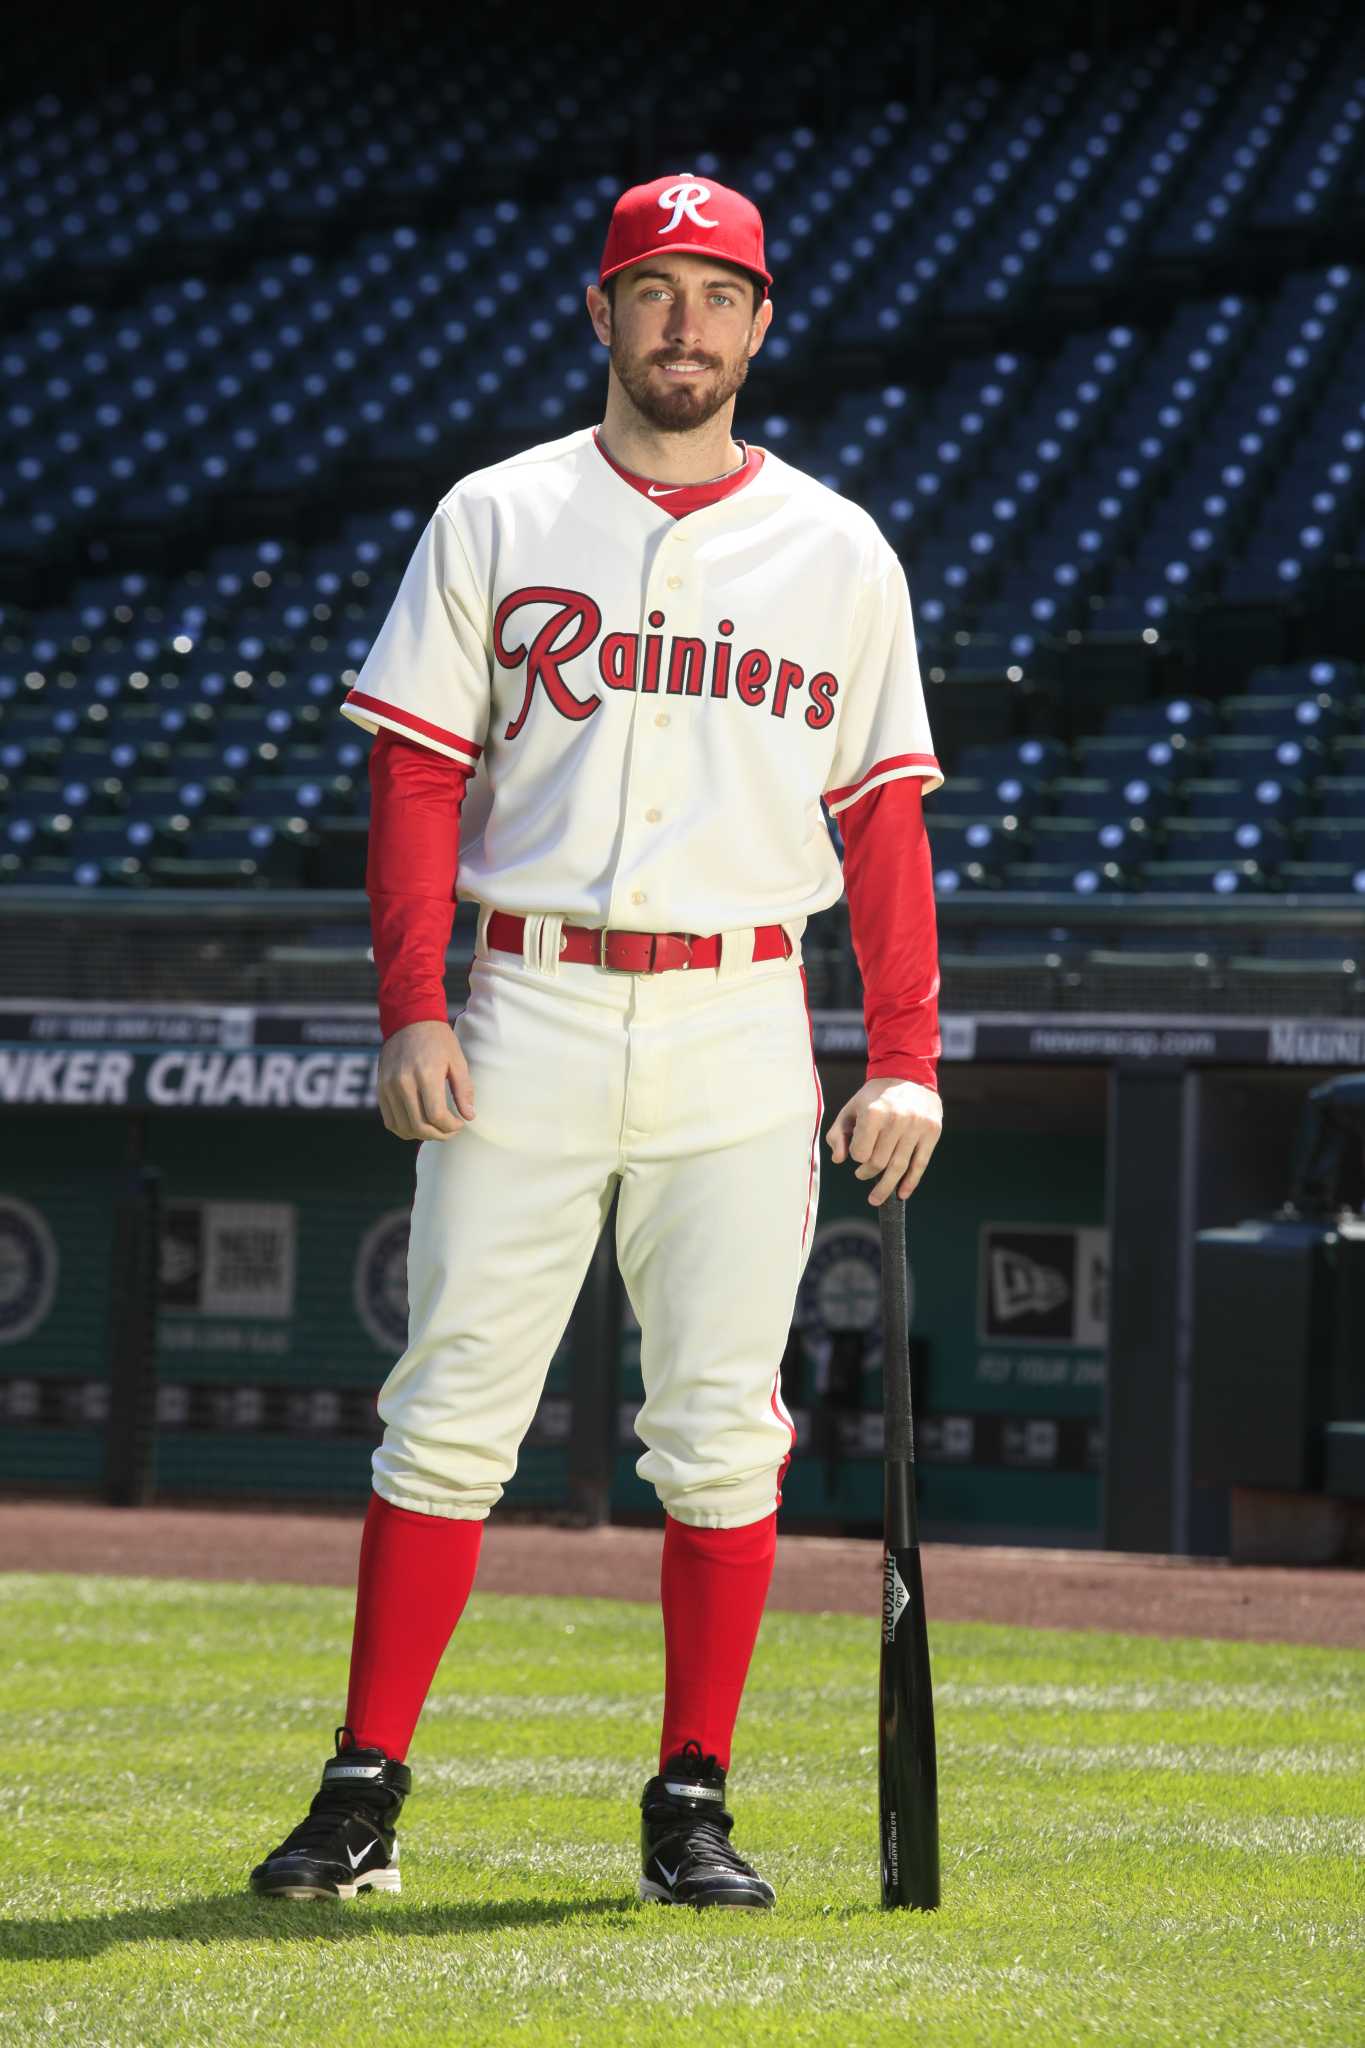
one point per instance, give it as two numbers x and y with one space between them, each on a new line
228 1258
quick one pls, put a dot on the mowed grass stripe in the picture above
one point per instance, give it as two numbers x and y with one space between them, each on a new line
1143 1841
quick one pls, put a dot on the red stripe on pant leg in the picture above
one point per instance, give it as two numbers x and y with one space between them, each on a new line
806 1222
819 1110
781 1413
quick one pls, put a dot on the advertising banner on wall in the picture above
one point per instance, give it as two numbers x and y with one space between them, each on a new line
228 1258
1043 1285
28 1268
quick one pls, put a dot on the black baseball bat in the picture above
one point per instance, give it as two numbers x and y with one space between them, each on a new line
907 1758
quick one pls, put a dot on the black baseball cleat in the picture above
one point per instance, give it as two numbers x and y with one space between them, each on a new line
346 1844
685 1839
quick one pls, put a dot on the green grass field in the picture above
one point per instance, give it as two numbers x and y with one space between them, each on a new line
1143 1841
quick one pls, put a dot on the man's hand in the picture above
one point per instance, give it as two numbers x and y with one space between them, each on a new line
416 1068
890 1128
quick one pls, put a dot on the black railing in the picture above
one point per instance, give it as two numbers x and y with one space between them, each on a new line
1001 951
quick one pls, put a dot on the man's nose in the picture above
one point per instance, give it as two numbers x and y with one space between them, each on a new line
682 322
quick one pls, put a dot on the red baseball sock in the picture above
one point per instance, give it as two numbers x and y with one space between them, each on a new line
416 1572
713 1584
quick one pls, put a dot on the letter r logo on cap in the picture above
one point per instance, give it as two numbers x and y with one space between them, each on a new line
685 199
701 216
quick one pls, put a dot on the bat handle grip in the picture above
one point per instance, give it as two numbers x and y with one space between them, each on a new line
899 1439
902 1514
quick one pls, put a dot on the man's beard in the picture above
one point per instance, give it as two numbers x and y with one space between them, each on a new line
688 406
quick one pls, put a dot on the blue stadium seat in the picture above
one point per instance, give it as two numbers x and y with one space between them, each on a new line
1188 718
1120 756
1031 760
1268 799
1074 878
1213 878
1228 840
1335 839
1143 796
1323 878
1244 755
1318 718
1081 841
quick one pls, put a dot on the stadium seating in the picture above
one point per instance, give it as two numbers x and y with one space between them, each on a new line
1086 342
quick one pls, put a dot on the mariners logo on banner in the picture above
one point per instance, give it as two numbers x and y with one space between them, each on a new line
381 1280
28 1269
840 1299
841 1288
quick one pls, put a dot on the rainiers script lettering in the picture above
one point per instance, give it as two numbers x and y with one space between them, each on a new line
557 635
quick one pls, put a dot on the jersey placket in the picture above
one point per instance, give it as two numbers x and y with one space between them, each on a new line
655 777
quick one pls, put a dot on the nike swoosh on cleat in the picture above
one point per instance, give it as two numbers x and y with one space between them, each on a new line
356 1860
671 1876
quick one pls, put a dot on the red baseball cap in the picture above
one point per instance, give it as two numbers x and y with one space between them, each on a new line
686 213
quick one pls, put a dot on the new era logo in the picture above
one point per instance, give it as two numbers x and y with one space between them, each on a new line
1043 1283
1021 1287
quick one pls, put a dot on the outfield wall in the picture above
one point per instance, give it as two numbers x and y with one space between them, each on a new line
282 1282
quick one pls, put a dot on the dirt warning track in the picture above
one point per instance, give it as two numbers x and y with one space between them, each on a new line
815 1574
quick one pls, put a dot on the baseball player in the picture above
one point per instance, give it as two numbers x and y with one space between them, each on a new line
626 676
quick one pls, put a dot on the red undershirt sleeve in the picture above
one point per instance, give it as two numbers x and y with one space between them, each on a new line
888 878
410 872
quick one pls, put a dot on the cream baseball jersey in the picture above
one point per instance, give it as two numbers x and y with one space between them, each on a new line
653 708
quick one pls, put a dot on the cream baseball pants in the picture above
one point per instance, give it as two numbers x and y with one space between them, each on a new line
695 1093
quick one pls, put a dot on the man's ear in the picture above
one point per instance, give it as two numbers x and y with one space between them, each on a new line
762 322
599 312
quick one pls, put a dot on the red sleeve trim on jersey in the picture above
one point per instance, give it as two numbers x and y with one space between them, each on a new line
364 702
888 878
837 797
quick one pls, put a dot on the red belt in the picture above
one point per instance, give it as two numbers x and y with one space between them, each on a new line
636 952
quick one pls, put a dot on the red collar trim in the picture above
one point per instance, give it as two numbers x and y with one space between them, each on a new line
679 499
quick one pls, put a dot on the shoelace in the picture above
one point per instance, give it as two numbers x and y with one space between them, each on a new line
330 1810
702 1841
704 1838
691 1755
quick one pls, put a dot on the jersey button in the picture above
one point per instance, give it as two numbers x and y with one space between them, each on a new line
662 718
675 582
638 896
652 816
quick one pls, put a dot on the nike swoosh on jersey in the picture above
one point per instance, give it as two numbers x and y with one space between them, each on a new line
667 491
